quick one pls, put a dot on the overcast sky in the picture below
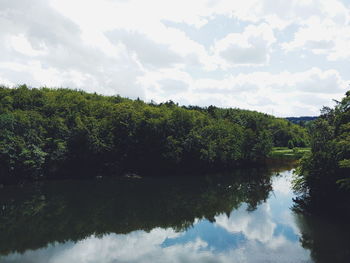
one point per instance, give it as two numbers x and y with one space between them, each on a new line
285 57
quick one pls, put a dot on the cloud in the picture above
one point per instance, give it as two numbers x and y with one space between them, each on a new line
219 52
284 93
248 48
147 51
54 54
316 80
325 37
280 13
172 86
5 82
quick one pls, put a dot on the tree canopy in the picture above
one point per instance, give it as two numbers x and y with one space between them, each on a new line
48 133
325 172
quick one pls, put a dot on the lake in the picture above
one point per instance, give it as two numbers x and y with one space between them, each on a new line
240 216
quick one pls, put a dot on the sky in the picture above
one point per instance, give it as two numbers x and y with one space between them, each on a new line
281 57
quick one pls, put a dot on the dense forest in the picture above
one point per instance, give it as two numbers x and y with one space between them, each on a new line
50 133
324 173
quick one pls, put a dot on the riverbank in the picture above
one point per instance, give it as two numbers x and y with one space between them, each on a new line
62 133
285 152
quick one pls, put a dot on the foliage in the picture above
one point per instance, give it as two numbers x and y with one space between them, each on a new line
281 130
327 168
286 152
46 133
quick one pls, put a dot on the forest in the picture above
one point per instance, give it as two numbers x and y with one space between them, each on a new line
323 174
58 133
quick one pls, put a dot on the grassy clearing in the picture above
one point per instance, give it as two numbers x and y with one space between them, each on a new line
285 152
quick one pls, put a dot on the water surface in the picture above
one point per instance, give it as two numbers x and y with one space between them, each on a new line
242 216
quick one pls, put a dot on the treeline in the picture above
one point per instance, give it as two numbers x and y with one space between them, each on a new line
62 132
324 174
303 121
282 131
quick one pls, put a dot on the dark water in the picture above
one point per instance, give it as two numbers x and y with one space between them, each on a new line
242 216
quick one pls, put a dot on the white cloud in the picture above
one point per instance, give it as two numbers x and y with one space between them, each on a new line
280 13
322 37
21 44
172 86
125 47
283 94
5 82
147 51
253 46
52 53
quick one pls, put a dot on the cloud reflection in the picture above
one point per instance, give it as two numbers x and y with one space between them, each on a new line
255 226
268 234
140 246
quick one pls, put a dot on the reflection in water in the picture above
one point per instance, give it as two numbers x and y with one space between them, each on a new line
325 228
36 215
189 219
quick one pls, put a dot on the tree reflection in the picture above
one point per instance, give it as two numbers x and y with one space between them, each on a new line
324 227
34 215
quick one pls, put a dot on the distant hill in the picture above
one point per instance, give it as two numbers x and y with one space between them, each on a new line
301 120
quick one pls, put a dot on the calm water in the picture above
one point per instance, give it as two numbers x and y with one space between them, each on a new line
243 216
